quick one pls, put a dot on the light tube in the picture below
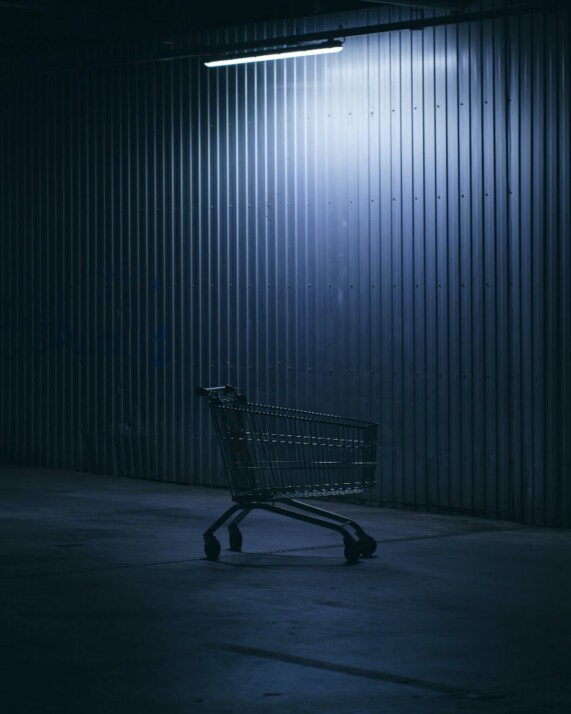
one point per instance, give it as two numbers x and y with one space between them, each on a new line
268 55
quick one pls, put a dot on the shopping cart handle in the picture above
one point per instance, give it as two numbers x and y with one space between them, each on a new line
205 391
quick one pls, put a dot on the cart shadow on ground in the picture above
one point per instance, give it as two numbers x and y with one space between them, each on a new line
291 558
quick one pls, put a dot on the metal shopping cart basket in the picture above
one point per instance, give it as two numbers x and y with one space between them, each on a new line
274 455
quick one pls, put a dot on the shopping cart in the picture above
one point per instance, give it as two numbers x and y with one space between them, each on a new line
274 455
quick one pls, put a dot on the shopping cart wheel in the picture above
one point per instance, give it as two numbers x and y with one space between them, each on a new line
235 537
211 547
367 545
352 550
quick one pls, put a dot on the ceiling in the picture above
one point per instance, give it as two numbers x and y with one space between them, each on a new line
40 27
37 27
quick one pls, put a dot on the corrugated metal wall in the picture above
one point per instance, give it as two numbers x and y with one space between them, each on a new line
382 233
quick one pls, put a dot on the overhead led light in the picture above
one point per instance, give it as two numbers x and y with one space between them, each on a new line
277 54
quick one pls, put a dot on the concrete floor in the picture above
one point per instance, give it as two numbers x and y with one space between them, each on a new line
108 605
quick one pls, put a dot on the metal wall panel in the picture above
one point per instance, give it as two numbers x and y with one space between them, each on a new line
382 233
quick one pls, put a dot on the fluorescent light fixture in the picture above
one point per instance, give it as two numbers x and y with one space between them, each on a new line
278 54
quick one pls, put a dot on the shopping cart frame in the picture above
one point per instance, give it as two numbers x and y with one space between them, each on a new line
230 411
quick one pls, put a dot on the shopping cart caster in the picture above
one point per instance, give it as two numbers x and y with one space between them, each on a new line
235 537
212 547
352 551
367 545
